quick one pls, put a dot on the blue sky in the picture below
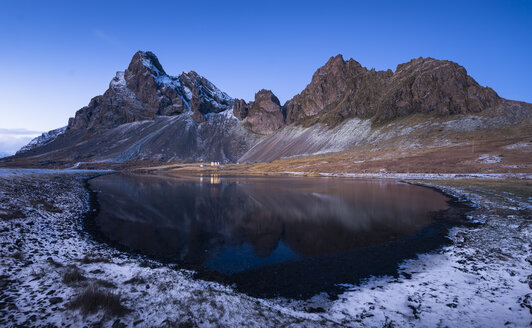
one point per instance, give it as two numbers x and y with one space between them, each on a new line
57 55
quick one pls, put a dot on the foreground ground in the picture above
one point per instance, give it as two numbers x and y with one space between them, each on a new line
53 273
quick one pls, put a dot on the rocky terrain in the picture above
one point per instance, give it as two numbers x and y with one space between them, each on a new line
144 91
262 116
344 89
148 115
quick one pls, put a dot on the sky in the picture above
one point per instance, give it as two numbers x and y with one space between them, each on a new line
56 55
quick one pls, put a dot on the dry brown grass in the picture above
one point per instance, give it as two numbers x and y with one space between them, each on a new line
136 280
18 255
9 214
444 159
493 190
53 262
436 151
73 275
93 299
88 259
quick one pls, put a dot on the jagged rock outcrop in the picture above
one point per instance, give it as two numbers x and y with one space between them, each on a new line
204 96
338 90
264 114
240 109
144 91
344 89
429 85
159 93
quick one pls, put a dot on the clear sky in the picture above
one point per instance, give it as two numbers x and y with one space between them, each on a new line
56 55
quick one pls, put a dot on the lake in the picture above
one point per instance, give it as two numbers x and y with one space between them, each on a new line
271 236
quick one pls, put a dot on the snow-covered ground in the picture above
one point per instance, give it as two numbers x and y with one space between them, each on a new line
482 280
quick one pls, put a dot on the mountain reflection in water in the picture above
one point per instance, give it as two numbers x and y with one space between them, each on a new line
233 224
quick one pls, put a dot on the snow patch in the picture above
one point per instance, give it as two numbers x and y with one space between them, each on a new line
489 159
118 81
525 146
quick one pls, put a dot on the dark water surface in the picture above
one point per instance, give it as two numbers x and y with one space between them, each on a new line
286 236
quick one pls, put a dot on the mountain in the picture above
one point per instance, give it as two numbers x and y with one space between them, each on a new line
148 115
344 89
144 91
42 140
347 106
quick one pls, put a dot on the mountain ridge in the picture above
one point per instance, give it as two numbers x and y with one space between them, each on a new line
190 111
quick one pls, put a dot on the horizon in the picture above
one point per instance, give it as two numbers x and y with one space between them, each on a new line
62 54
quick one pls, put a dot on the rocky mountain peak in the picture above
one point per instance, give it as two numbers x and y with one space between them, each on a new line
335 67
264 115
425 85
343 89
336 63
337 60
144 91
339 89
146 60
270 101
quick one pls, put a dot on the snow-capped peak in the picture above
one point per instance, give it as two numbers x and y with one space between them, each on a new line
150 61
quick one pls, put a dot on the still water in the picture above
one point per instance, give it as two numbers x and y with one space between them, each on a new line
262 226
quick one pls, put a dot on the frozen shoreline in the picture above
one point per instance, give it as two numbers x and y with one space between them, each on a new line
481 280
422 176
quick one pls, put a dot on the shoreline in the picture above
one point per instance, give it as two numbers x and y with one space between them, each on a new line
429 239
483 271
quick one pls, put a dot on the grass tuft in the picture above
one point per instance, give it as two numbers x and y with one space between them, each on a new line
136 280
93 299
72 275
18 255
53 262
94 259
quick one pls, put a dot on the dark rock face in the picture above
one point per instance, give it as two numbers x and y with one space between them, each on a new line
264 114
144 91
344 89
429 85
240 109
118 105
338 90
206 98
151 86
